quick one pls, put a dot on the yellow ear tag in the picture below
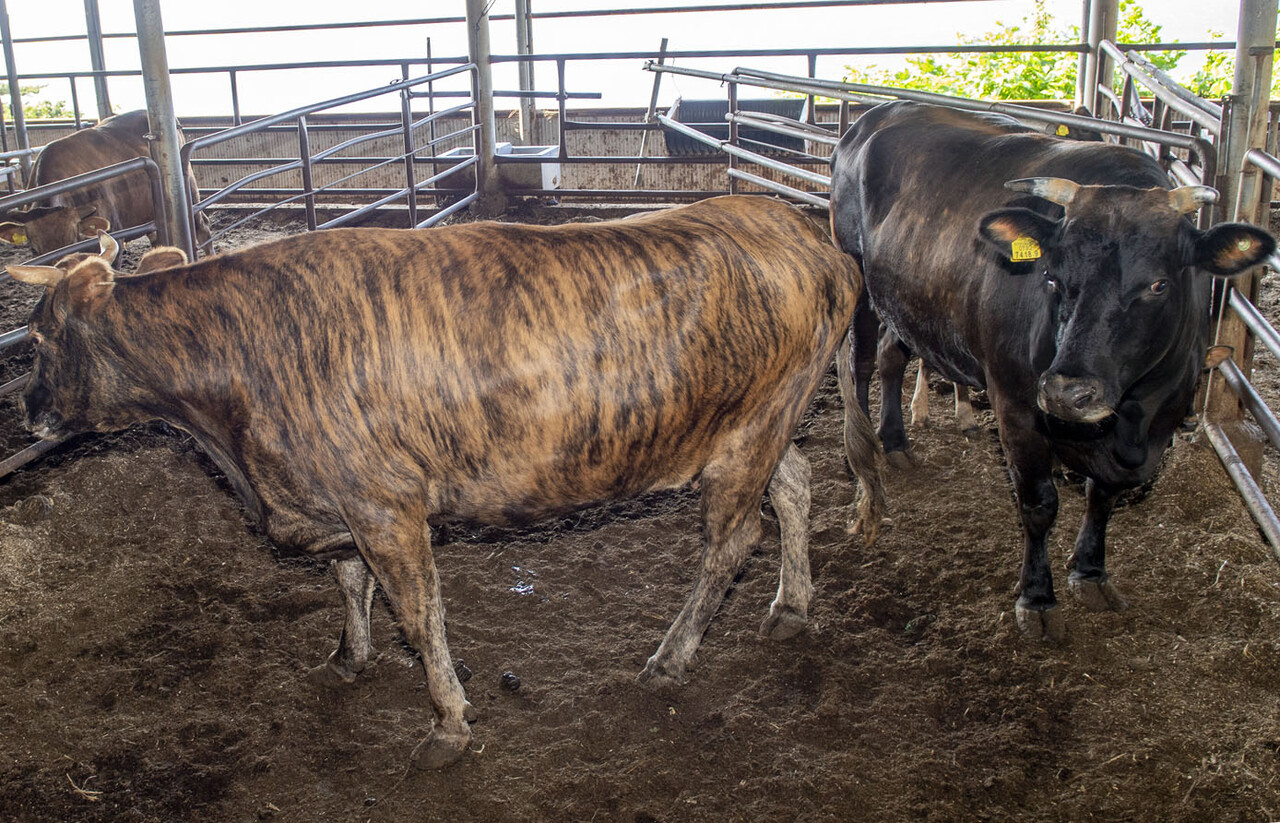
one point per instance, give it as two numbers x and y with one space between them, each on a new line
1025 248
19 240
1063 131
1244 244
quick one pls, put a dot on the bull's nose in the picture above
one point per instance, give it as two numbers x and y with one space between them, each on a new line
45 425
1075 399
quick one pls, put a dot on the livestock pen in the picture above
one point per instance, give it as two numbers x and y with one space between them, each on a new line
155 649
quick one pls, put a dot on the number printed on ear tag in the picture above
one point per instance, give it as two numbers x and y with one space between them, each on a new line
1025 248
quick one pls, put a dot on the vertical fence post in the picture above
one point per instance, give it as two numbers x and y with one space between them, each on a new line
563 137
175 222
1103 15
410 152
524 47
93 28
733 136
490 201
1245 117
308 185
15 94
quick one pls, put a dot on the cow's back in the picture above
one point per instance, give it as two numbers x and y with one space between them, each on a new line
125 201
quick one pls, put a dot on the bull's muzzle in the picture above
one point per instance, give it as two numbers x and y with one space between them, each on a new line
1074 399
46 425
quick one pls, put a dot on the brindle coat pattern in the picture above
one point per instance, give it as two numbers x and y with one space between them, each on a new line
118 203
357 384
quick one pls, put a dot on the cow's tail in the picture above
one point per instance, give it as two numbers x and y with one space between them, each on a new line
862 450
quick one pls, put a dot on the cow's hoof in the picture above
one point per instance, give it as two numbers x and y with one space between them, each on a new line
783 623
1042 624
440 749
899 459
331 675
1097 595
657 675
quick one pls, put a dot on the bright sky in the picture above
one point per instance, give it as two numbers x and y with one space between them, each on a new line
622 83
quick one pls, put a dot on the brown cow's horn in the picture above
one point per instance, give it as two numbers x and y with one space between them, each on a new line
1189 199
1053 189
108 246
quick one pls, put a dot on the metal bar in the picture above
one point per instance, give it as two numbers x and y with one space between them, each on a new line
733 139
1252 400
15 92
524 46
15 384
1248 488
173 212
653 107
758 159
817 135
808 197
304 155
406 119
13 338
564 148
11 464
445 212
93 32
236 120
1169 96
1252 318
491 200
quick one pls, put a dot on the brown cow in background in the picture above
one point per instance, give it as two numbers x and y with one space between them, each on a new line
116 204
355 385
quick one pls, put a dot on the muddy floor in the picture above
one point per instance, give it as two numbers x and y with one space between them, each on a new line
153 653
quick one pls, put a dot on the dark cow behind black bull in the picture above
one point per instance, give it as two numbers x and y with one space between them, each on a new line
118 203
1062 277
356 384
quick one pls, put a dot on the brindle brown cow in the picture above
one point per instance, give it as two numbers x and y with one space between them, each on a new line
356 384
118 203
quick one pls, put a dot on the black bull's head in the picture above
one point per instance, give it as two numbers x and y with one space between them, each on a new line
1120 282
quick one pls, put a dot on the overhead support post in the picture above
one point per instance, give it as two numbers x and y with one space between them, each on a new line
1103 20
524 47
93 28
490 201
15 94
166 150
1244 127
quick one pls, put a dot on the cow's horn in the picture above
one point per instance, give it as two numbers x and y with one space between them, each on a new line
1053 189
37 275
108 247
1189 199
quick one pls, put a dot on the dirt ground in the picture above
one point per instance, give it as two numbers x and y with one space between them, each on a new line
153 651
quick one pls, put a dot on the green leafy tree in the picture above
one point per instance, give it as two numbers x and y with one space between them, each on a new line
34 109
1014 75
1216 77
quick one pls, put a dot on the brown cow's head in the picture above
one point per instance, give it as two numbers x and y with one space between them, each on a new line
1120 280
70 390
48 228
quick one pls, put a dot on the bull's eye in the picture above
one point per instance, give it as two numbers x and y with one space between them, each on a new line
1052 283
1160 287
37 339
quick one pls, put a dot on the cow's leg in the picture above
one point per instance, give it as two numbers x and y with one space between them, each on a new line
965 419
1089 580
355 646
731 495
920 398
397 547
861 450
789 495
864 335
1031 470
891 359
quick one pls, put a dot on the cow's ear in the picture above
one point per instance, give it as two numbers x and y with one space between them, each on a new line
1230 248
90 226
90 285
1021 235
164 257
37 275
14 233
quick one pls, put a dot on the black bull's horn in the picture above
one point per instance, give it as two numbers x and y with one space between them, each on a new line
1184 199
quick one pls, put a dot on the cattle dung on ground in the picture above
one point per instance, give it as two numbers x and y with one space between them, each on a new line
154 652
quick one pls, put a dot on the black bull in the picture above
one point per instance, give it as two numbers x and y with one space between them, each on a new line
356 384
1081 305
